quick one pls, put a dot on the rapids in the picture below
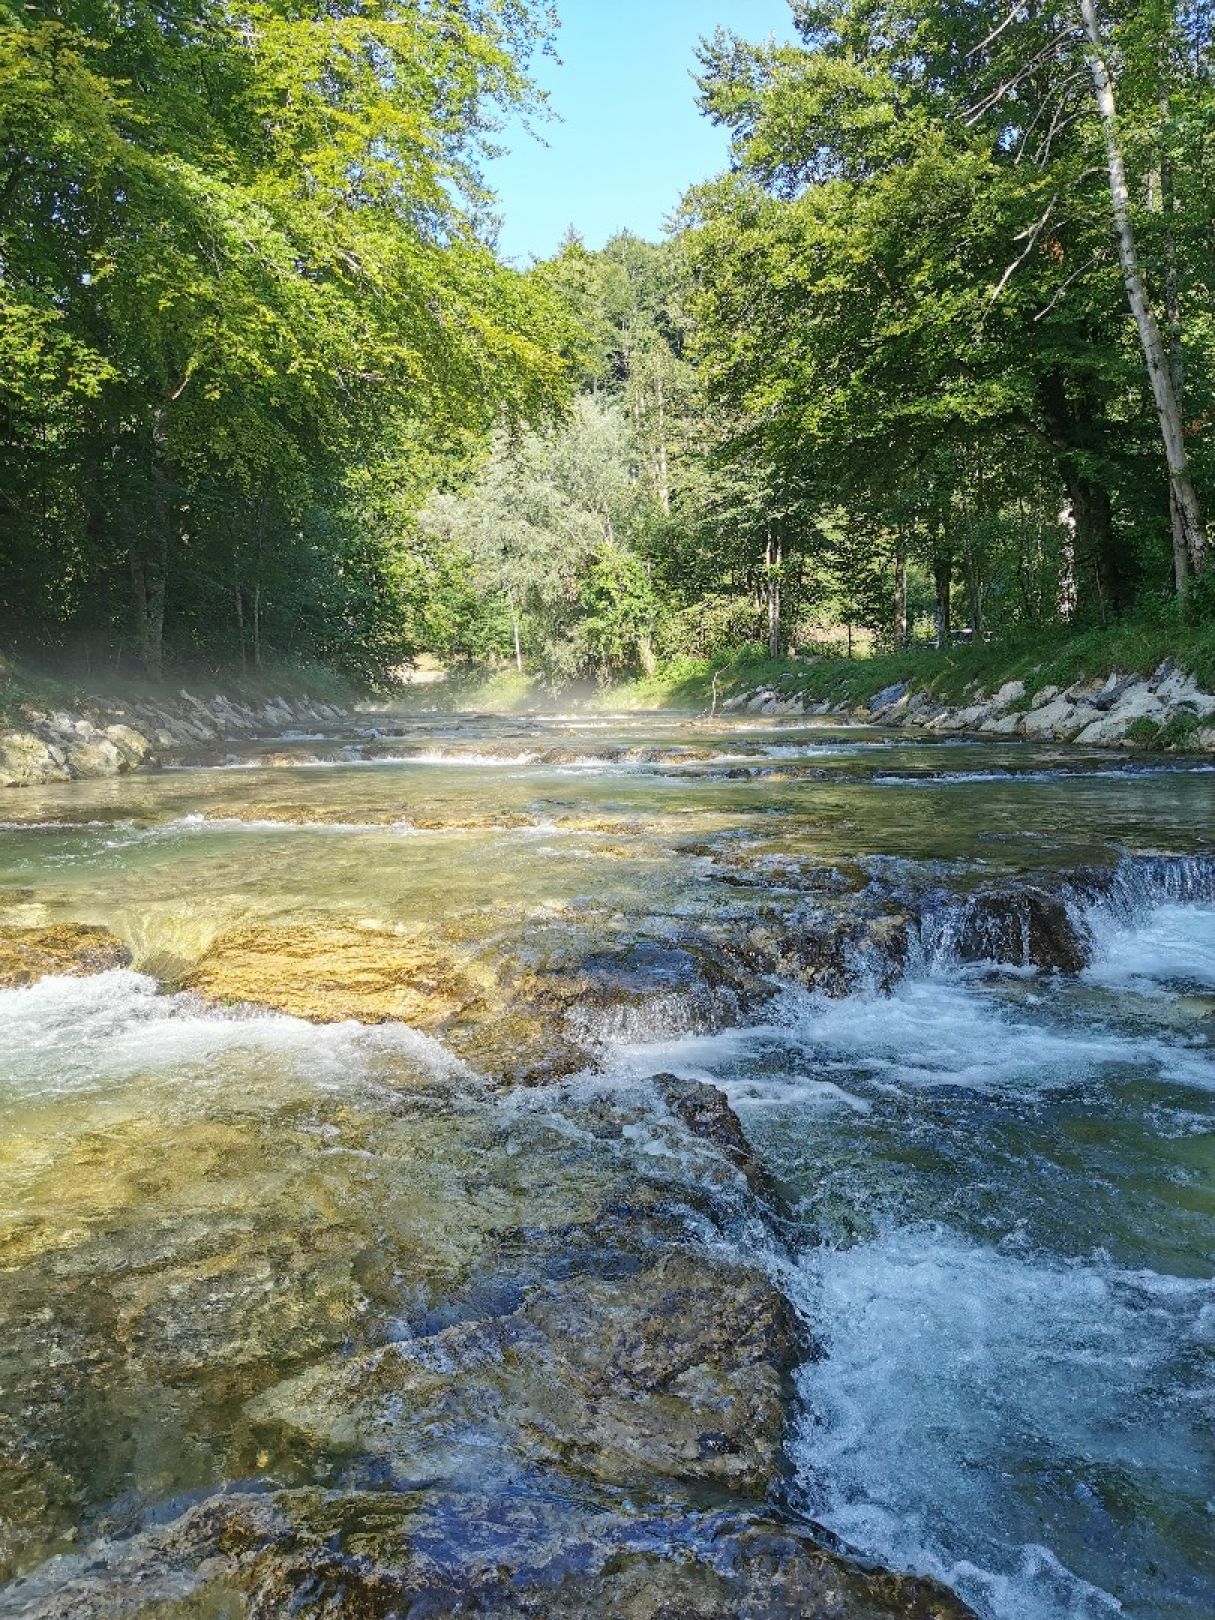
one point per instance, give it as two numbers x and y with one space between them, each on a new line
985 1188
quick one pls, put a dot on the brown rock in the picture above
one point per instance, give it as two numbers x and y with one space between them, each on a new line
329 974
675 1372
29 954
385 1555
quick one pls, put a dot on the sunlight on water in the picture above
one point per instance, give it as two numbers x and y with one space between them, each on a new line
1000 1181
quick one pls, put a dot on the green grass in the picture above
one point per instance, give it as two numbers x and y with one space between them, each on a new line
1057 656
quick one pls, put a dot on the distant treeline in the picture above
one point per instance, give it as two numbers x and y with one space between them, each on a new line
932 358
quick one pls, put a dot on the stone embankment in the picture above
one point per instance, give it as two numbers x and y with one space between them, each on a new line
105 737
1166 707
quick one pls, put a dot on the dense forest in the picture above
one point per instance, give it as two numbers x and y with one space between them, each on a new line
931 359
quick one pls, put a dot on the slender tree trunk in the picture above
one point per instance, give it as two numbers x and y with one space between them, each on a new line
150 559
1172 316
942 576
900 590
772 558
664 477
148 589
259 534
238 598
514 621
1185 512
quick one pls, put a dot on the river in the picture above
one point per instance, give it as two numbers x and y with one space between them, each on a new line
960 996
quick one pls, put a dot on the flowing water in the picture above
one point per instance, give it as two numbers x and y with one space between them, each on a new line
998 1181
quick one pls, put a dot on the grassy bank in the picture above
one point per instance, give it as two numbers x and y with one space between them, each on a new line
1054 657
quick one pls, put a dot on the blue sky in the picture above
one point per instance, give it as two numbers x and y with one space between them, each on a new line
629 140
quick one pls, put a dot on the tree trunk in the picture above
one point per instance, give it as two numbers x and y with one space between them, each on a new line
1097 548
238 597
1172 317
148 585
514 621
1092 523
900 590
664 477
772 559
942 577
258 537
1184 510
149 562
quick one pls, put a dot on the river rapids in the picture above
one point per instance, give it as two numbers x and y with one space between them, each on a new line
610 1165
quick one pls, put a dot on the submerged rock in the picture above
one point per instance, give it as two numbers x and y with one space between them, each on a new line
29 954
672 1373
385 1555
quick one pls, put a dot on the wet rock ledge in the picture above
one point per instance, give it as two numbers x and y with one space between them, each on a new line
105 737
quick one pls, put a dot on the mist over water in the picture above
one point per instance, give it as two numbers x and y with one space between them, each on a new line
1000 1181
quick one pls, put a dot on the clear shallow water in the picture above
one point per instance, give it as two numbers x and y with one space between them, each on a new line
1003 1182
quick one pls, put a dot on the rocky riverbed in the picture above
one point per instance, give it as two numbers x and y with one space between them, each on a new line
608 1166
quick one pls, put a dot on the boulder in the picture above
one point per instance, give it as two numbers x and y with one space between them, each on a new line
706 1113
1022 927
1137 702
96 756
833 954
135 748
1057 718
887 697
27 761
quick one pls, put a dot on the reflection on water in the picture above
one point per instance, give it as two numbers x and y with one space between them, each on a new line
1001 1216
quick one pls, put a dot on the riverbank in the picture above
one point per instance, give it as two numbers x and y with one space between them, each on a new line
52 733
1137 684
1163 710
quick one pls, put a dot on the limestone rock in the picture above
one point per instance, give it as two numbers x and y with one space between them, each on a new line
1024 927
135 748
27 761
95 756
29 954
1054 719
704 1110
329 974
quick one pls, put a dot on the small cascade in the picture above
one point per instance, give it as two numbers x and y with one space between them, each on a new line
1060 928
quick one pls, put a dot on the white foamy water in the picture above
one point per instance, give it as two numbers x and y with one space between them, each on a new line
934 1031
988 1417
65 1035
1173 945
